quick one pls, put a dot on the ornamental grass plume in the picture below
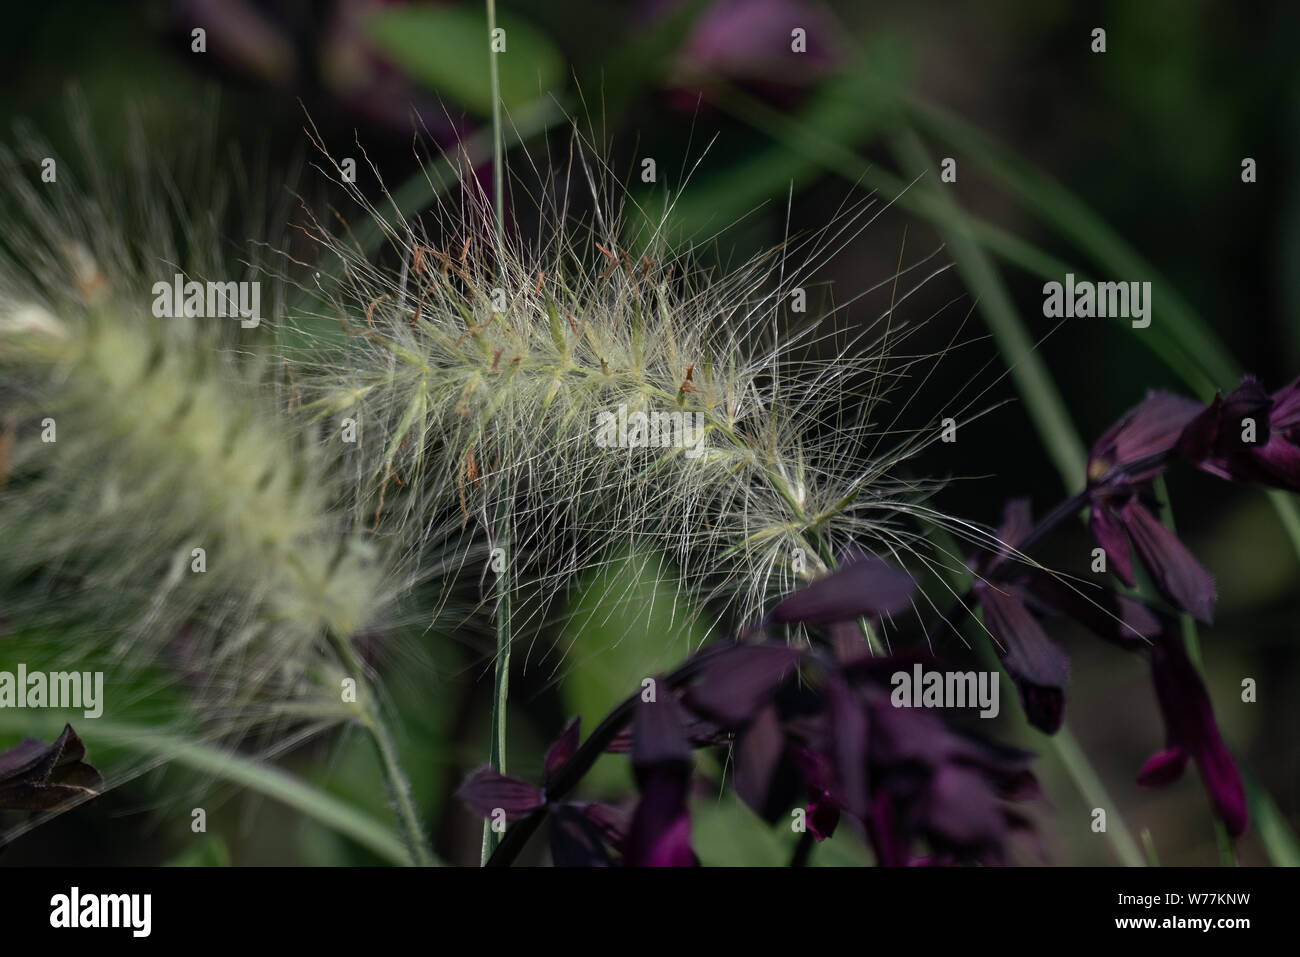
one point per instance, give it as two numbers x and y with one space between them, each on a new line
596 388
167 511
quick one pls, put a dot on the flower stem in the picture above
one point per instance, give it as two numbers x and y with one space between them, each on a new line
501 523
572 771
399 790
501 673
1089 785
494 78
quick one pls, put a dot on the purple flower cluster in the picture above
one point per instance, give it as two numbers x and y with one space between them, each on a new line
1246 436
806 727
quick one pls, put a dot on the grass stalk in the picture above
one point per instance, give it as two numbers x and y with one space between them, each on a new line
372 720
501 524
501 669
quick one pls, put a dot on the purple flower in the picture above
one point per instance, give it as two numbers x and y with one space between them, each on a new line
1038 666
660 832
1192 734
38 777
580 834
823 807
901 775
1151 428
1248 436
492 793
751 40
1127 456
862 587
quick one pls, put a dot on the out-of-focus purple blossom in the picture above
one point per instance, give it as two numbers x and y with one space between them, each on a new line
245 36
751 43
900 774
660 832
1192 734
823 808
862 587
736 684
1249 436
317 57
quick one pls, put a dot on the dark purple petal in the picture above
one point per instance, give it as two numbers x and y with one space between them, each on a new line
1277 463
1118 618
1285 418
563 748
621 743
846 640
1044 705
1163 767
611 821
1017 522
1216 432
962 812
887 838
487 791
738 682
1176 573
848 729
22 758
37 777
934 785
823 808
1191 728
765 775
1108 532
660 832
1149 428
864 586
575 841
822 814
1214 439
904 737
660 835
658 734
1040 668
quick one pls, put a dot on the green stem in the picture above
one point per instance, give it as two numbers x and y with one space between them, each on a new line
501 523
494 77
399 790
501 672
1089 784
